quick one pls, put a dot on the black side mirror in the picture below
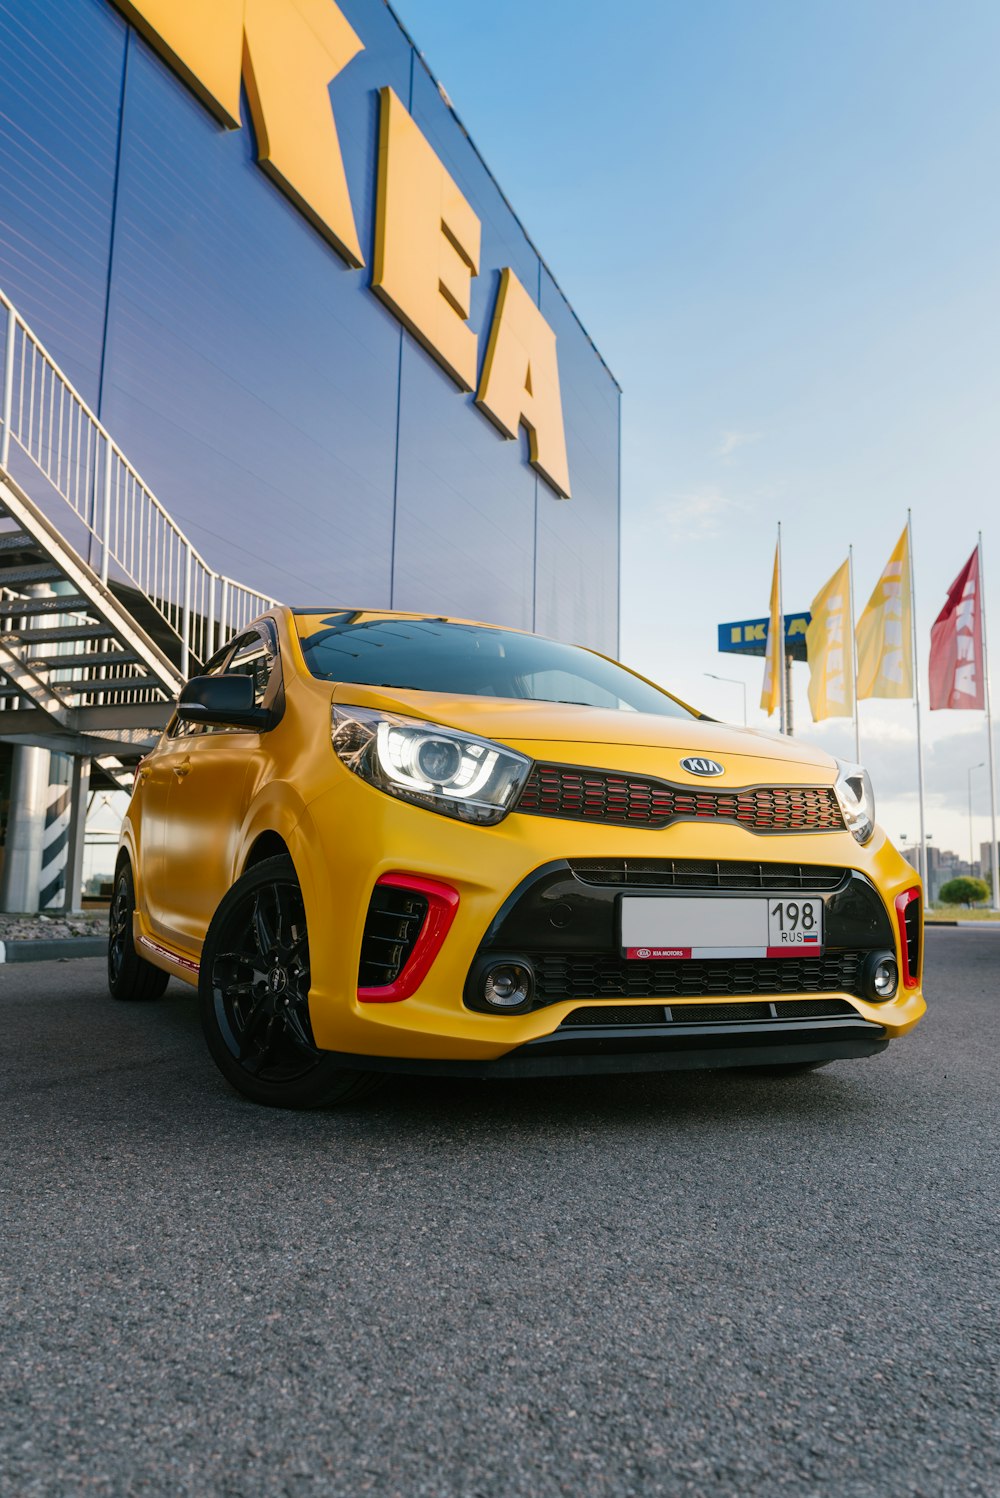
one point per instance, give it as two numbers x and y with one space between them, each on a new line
226 701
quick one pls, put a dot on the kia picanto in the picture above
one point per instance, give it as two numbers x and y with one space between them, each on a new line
383 842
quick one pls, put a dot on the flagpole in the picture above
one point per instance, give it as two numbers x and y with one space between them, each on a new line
781 646
916 703
854 655
994 871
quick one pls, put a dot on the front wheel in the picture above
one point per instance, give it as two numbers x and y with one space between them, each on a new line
253 991
129 975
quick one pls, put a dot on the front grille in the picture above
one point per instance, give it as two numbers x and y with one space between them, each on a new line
705 873
593 976
612 1015
640 801
395 917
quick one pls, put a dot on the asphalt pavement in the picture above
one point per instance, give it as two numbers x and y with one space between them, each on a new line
682 1284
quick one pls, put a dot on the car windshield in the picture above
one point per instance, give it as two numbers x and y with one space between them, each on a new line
435 655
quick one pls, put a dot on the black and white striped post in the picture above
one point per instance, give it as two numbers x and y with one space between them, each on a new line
61 879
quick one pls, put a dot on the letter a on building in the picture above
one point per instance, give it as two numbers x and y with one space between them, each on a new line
885 655
828 647
956 664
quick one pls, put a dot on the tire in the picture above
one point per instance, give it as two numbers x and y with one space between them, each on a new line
253 991
130 977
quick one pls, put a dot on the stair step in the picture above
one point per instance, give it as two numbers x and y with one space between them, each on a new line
43 635
128 682
36 572
65 603
16 541
81 658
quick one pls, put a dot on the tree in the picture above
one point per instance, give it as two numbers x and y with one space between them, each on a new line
963 891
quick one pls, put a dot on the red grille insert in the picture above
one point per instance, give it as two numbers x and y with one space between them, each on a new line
638 801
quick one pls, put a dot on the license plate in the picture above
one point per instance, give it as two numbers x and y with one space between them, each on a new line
672 928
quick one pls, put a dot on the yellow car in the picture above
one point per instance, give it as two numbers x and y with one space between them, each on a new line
392 842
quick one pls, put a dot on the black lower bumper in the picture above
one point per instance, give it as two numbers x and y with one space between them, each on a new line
654 1048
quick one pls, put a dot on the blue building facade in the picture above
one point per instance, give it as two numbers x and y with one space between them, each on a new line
302 437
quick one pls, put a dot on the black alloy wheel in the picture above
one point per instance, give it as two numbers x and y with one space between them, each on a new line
254 993
130 977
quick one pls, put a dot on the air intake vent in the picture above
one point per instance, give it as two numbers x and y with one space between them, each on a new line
704 873
913 937
610 1016
607 977
585 795
395 918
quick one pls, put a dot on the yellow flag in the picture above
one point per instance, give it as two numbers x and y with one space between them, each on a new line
828 647
770 697
885 657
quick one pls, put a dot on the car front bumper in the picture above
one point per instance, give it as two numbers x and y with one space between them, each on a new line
352 835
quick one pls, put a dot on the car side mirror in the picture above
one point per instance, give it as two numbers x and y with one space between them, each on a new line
224 701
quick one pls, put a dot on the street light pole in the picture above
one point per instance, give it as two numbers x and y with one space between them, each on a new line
971 768
735 681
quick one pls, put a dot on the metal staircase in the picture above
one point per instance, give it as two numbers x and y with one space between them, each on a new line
105 606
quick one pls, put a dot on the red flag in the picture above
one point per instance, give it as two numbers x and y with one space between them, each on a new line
956 664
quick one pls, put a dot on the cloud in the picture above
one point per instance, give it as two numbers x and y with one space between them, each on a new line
697 516
732 440
889 750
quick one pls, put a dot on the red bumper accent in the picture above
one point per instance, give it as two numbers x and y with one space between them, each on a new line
442 903
903 902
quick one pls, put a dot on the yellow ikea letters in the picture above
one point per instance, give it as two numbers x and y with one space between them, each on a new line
287 51
427 237
520 381
426 244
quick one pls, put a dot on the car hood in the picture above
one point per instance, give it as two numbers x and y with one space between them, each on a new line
539 728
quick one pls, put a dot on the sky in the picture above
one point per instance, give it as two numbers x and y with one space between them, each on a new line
779 222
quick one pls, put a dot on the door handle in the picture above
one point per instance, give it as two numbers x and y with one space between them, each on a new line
181 770
144 772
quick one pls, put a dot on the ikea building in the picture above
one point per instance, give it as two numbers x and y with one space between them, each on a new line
271 331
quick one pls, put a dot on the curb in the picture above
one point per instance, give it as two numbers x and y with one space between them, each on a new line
964 925
56 947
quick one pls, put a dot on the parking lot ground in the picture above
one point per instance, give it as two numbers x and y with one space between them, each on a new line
682 1284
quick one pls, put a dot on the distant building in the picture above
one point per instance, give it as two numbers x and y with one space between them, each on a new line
942 865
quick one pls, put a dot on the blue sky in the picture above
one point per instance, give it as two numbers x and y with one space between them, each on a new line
779 221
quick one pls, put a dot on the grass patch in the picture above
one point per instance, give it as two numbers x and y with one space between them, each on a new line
961 913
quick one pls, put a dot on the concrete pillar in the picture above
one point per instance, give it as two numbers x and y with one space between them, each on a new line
22 865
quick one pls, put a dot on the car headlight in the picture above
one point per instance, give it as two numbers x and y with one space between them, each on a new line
441 769
853 790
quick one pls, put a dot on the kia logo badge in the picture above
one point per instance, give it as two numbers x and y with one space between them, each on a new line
697 765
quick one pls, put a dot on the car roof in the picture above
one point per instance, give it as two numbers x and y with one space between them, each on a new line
359 616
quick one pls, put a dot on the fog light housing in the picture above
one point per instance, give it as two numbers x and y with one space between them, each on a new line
508 987
881 976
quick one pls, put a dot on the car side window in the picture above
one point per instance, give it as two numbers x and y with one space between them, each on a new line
253 656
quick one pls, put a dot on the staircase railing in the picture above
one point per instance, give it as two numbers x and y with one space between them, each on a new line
136 538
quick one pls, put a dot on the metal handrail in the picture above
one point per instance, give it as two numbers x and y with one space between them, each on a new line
51 423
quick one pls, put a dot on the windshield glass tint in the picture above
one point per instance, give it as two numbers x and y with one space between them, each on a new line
430 655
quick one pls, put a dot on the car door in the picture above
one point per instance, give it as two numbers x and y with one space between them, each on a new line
207 801
156 775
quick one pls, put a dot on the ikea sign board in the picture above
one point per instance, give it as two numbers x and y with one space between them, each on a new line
749 636
285 54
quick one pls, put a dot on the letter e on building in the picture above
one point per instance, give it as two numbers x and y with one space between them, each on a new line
426 243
